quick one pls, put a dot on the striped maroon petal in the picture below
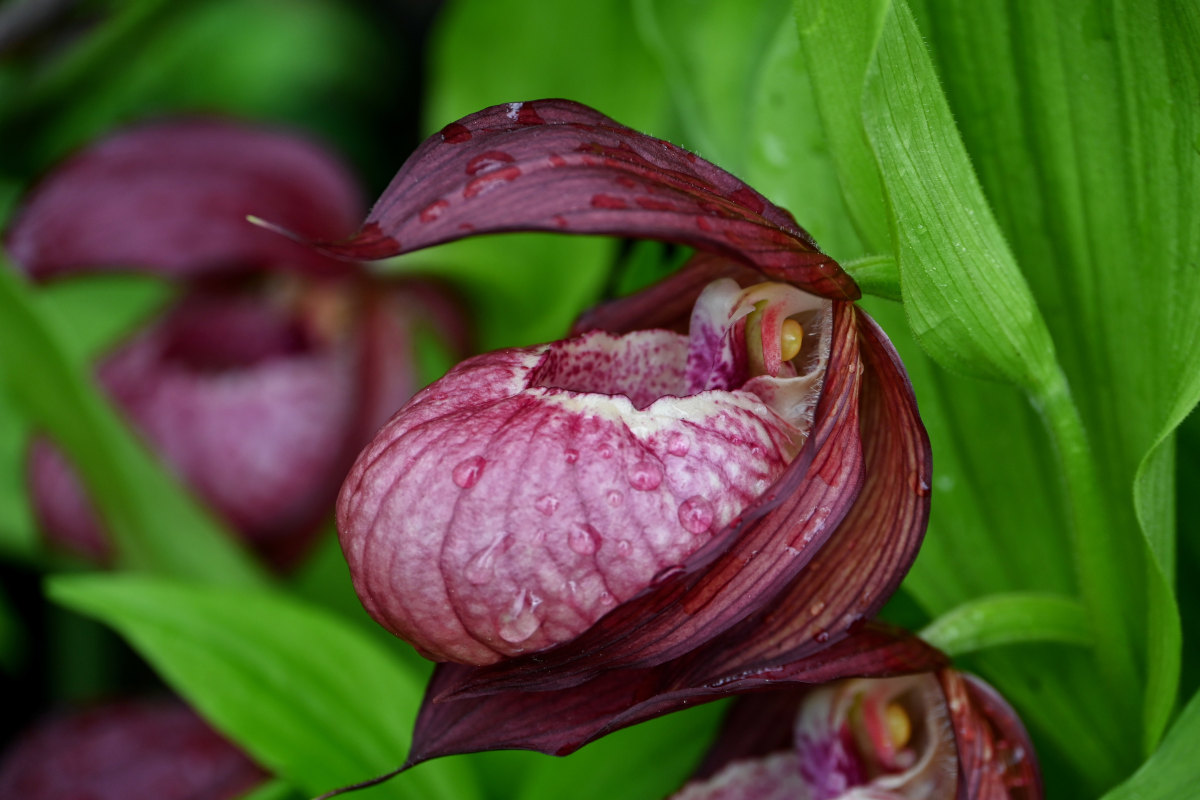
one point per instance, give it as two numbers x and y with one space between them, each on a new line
558 166
559 722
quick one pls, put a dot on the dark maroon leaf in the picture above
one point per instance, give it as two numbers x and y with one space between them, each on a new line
556 165
560 722
172 198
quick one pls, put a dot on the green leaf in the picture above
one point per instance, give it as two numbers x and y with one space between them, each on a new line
308 695
155 523
1082 122
838 41
1015 618
966 300
1173 770
742 93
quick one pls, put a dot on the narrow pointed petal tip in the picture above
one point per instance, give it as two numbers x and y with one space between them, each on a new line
558 166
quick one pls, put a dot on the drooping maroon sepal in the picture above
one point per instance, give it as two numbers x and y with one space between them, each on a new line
558 166
560 722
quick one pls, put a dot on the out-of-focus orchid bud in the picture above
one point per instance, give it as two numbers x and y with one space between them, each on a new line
126 749
274 364
925 736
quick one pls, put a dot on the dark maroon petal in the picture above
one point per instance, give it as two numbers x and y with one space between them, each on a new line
996 758
742 568
172 198
555 165
127 749
862 564
560 722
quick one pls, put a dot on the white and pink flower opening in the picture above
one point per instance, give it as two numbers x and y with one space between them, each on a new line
520 498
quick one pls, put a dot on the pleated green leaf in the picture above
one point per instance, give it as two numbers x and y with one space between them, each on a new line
1015 618
1173 771
308 695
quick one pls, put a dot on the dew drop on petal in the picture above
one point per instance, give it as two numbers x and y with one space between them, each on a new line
645 476
547 504
605 451
817 608
624 547
467 473
572 456
696 514
520 622
822 637
615 498
481 566
583 539
678 444
606 599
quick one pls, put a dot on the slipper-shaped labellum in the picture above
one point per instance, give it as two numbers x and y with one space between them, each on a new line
924 736
121 749
716 476
273 365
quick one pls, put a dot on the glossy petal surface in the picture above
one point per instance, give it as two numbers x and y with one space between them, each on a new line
556 165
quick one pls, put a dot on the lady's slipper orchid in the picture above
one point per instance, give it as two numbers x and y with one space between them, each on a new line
123 749
713 483
924 736
274 364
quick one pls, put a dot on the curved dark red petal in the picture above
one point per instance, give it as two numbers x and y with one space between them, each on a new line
172 198
996 758
861 565
559 722
741 569
556 165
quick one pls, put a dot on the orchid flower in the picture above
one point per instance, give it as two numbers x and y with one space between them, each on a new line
714 482
273 365
923 736
120 749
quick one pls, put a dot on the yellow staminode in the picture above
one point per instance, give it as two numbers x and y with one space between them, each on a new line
899 726
790 339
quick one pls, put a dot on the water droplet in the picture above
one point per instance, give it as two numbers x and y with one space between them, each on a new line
572 456
547 504
490 180
605 451
583 539
433 210
467 473
678 444
454 133
920 486
520 622
667 572
488 161
624 547
606 599
615 498
822 637
481 567
695 514
817 608
645 476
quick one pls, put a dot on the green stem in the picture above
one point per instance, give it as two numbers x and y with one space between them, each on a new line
1098 560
